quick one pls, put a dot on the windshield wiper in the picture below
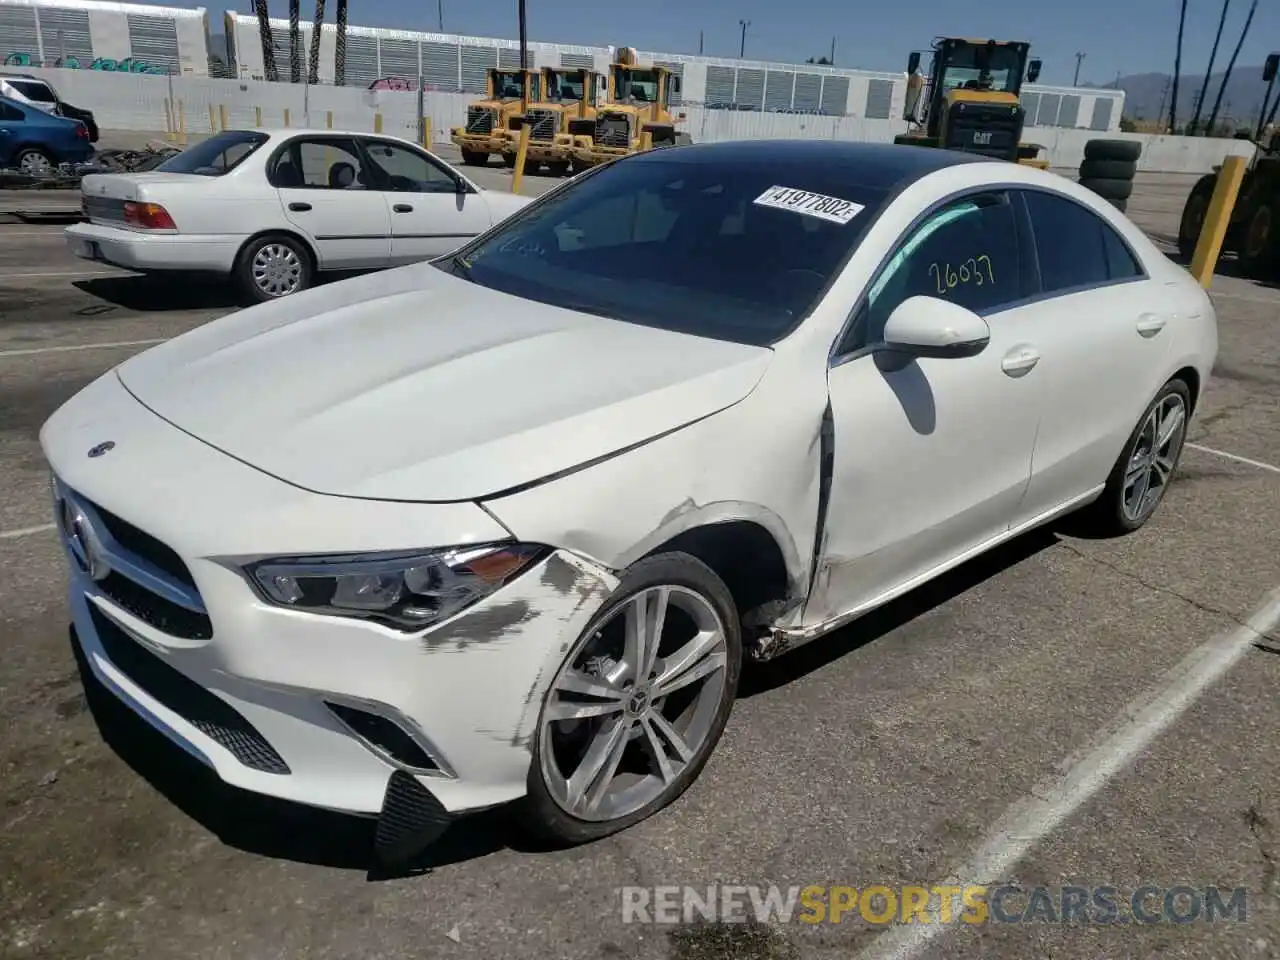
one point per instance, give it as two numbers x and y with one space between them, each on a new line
460 266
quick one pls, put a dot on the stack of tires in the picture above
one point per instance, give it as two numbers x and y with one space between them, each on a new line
1108 169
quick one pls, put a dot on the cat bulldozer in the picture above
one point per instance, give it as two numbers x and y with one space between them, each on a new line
638 102
568 96
970 100
1253 231
507 94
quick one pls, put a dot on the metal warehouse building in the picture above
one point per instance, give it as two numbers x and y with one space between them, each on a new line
95 34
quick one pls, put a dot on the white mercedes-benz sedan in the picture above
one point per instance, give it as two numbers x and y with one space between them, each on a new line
504 526
272 209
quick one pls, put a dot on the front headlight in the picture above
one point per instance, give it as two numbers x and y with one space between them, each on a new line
408 591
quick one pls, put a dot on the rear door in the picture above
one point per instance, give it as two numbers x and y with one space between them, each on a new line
11 121
325 193
432 210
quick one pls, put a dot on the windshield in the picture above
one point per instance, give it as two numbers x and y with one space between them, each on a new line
737 251
642 85
566 86
961 70
215 156
509 85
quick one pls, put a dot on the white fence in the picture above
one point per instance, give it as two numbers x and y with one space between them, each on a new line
134 102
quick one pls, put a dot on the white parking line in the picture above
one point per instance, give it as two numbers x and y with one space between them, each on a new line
25 531
1051 802
1238 459
33 351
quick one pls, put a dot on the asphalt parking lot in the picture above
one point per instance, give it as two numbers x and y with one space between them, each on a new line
1017 721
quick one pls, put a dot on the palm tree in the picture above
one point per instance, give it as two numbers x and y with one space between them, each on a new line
1222 88
313 75
340 53
1177 70
269 71
1213 55
295 43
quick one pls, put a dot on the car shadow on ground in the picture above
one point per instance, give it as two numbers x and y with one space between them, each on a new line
159 294
283 830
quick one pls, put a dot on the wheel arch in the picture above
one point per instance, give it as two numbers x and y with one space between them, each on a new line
1191 377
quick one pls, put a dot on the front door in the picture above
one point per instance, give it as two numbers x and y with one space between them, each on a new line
325 193
931 456
432 211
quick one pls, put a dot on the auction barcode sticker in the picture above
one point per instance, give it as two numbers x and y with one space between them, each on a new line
810 204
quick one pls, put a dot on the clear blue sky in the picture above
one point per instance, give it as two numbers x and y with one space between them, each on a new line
1130 36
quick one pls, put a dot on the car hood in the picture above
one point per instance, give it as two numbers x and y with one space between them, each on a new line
415 385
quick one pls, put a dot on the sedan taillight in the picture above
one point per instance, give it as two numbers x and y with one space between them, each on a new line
148 216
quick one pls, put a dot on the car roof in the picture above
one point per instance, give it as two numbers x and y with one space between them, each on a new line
280 132
880 166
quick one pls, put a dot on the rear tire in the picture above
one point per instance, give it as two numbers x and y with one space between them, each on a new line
1259 250
475 158
699 603
35 162
1193 213
558 168
1128 500
509 161
1112 150
273 266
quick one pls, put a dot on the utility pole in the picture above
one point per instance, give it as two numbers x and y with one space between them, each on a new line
440 15
742 47
699 43
1079 60
524 36
832 58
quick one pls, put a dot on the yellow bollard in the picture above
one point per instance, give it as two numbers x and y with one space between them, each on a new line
646 140
328 119
426 134
1216 219
517 175
377 123
286 116
257 117
213 120
222 115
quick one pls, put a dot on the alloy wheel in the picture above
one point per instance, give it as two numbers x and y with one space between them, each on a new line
635 704
35 164
1153 457
277 270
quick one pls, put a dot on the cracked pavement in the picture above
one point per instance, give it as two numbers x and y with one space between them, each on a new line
880 755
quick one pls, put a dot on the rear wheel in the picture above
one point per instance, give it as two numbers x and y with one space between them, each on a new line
637 707
1193 214
272 267
558 168
1259 241
474 158
34 162
1142 475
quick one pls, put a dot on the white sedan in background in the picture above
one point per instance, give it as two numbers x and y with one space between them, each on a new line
273 208
504 526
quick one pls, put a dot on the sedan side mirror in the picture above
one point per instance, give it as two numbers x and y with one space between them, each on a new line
929 327
1033 71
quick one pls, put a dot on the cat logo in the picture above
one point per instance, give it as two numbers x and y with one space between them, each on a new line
982 138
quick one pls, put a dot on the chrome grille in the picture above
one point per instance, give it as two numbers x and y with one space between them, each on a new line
103 209
480 119
131 568
613 130
542 124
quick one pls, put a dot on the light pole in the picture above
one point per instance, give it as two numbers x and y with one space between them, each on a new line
1079 60
742 47
440 15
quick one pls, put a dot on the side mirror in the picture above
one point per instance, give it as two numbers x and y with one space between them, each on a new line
1033 71
1270 68
460 187
913 61
929 327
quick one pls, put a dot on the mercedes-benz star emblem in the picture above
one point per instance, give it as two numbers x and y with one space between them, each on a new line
102 448
84 542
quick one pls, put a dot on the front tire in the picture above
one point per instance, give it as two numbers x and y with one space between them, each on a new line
1142 475
638 705
1193 214
272 267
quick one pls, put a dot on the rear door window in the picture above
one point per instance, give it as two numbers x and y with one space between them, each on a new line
1076 248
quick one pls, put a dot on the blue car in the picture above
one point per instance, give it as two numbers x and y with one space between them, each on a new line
35 142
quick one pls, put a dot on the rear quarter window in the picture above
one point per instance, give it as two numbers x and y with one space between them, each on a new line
1076 248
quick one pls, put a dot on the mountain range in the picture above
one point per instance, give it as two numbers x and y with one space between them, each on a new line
1147 95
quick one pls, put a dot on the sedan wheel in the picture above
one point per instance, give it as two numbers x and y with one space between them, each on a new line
274 267
1144 471
34 163
638 706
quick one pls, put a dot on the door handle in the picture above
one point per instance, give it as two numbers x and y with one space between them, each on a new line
299 207
1149 324
402 208
1019 361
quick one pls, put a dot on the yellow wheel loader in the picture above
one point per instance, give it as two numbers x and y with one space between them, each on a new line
507 93
639 103
569 96
970 100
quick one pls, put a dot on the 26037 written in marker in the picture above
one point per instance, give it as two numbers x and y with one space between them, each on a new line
834 209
